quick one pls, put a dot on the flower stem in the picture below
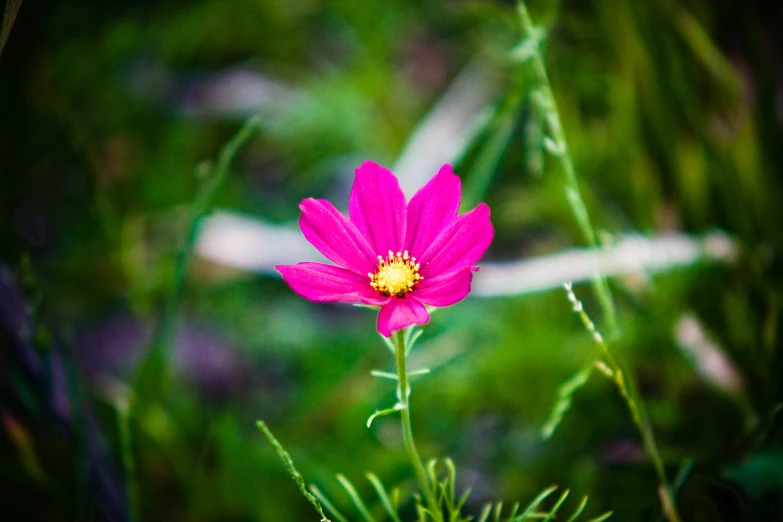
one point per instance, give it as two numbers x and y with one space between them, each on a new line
629 389
403 393
152 374
557 145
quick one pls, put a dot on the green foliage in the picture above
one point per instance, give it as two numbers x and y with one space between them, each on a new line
289 465
451 506
671 112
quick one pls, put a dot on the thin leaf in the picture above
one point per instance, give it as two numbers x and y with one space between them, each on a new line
388 342
385 375
451 480
485 513
601 518
289 464
397 407
395 498
411 336
557 506
579 510
552 147
385 500
432 472
498 511
533 505
326 502
355 498
565 395
682 474
514 510
462 500
422 512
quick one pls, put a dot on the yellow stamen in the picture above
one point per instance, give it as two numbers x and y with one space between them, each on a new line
396 275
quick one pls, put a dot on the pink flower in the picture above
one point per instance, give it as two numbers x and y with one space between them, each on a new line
391 254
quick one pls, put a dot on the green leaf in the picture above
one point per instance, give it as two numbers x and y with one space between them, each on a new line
531 508
485 513
356 499
384 375
557 505
388 505
498 511
411 336
397 407
326 502
289 464
514 510
565 394
579 510
388 342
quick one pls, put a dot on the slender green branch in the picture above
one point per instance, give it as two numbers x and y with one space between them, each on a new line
151 378
289 465
201 206
629 391
403 393
557 145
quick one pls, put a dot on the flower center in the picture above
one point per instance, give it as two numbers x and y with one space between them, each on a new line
396 275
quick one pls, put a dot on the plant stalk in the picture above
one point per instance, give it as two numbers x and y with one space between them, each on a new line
403 393
560 150
558 147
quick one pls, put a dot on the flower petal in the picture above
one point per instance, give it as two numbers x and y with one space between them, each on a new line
400 313
329 284
459 245
432 209
445 290
335 237
377 208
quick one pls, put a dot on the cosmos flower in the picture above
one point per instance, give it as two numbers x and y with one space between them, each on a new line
390 254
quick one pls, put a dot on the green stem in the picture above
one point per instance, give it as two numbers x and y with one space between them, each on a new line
558 147
560 150
202 205
153 370
630 392
403 393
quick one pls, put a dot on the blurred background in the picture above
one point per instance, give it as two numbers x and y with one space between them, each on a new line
111 115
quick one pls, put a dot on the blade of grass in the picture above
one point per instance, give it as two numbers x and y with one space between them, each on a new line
328 504
356 499
385 500
534 504
289 465
485 513
575 514
557 505
152 371
558 147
